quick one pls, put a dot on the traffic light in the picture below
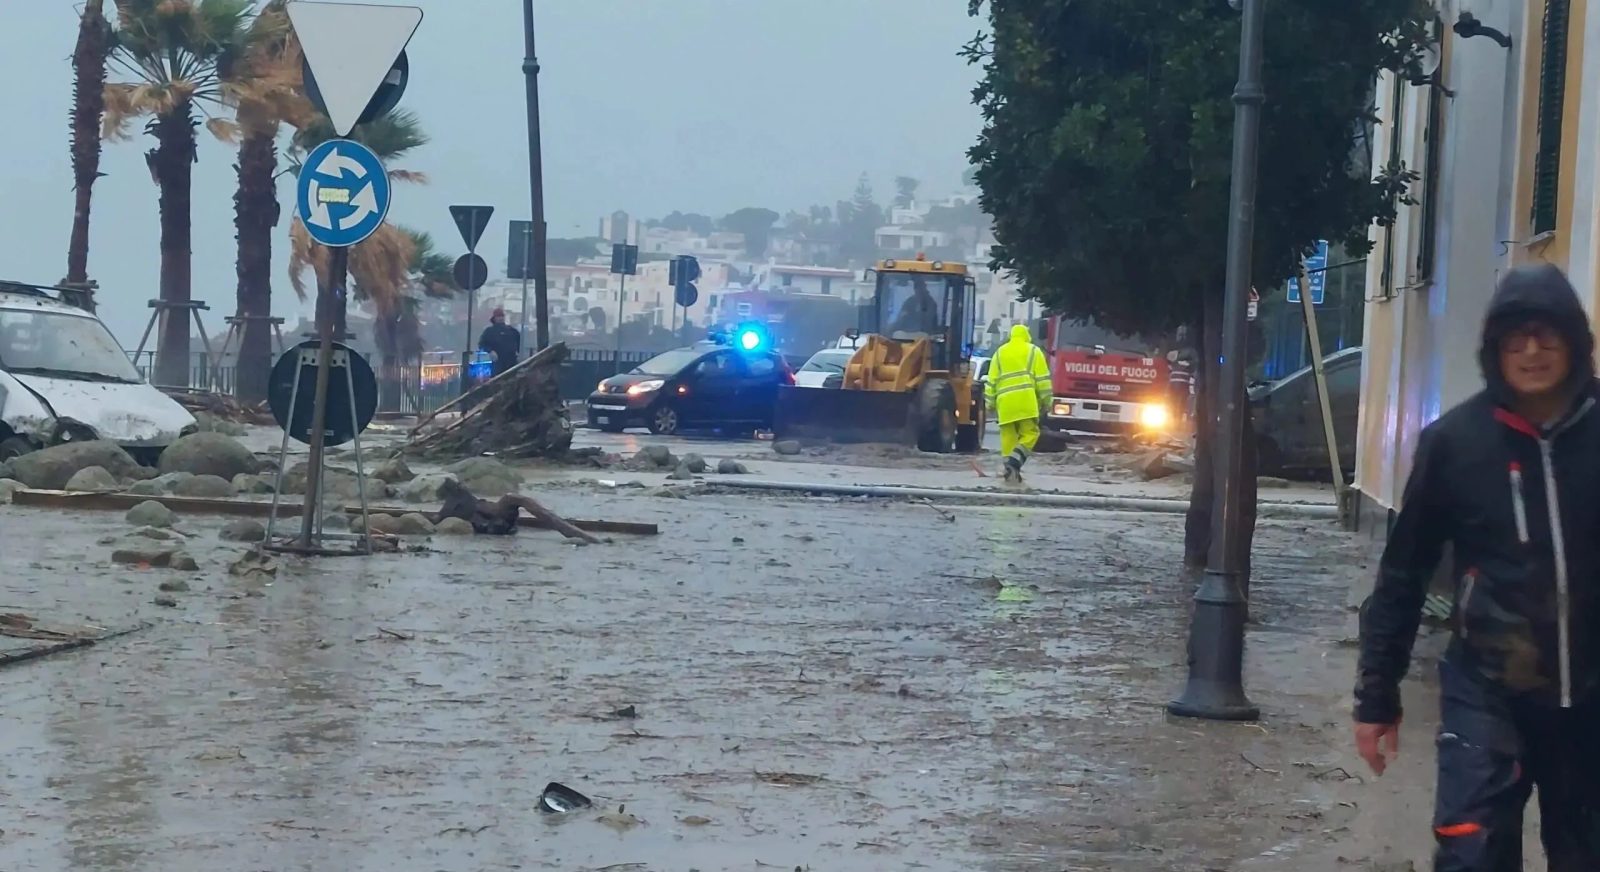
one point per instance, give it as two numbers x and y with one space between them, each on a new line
682 273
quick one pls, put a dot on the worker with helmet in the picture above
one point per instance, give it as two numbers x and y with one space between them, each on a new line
1017 391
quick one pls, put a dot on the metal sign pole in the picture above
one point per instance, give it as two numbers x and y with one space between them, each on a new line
622 297
527 251
1321 378
338 266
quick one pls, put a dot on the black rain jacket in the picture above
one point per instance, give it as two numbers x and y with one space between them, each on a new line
1520 506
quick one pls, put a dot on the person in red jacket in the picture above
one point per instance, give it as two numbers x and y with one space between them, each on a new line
1510 480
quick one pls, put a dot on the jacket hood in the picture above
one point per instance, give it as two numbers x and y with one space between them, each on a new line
1021 333
1539 292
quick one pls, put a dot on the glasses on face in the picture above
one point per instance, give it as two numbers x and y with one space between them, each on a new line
1544 335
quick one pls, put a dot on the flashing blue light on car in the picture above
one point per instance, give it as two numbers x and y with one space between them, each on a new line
749 340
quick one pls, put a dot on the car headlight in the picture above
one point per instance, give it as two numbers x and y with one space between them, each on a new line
601 387
648 386
1154 416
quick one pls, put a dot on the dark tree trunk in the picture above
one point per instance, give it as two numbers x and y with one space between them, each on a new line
1200 524
385 334
172 165
88 106
255 216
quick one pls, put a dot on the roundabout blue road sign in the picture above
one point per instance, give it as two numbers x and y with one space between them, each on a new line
343 193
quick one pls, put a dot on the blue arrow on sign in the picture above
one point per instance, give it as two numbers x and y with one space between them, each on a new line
343 193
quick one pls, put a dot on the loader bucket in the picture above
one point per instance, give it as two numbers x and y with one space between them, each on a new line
846 416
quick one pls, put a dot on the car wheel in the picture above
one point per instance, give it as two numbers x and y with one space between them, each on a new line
936 417
664 420
15 446
1051 441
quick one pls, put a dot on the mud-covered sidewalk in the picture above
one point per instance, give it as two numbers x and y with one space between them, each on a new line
790 683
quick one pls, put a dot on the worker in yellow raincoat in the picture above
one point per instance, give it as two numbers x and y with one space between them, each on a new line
1018 388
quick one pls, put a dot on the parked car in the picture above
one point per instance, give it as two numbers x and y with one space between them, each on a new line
825 369
705 386
64 378
1288 418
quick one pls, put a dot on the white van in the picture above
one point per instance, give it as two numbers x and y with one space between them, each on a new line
64 378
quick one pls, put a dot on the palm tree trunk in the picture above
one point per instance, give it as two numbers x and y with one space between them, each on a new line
385 331
255 215
172 165
88 105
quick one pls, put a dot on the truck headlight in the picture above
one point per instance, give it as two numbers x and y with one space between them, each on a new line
1154 416
649 386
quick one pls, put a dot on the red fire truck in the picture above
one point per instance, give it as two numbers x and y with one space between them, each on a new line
1104 382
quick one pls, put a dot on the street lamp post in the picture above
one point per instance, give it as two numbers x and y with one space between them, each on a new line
530 70
1215 688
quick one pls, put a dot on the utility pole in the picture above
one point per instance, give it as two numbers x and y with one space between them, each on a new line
527 252
530 70
1215 688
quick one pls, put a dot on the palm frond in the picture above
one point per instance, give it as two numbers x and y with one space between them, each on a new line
415 177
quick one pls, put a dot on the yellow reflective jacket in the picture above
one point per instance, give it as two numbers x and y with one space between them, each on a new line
1019 379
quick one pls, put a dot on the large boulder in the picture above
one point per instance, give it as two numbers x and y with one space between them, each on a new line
454 527
151 514
251 484
415 524
51 468
394 471
207 486
209 454
486 477
243 530
92 478
338 483
425 488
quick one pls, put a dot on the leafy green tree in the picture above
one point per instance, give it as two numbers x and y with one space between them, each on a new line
1105 156
700 225
755 224
859 219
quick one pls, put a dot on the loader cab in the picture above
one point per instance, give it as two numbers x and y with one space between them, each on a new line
918 299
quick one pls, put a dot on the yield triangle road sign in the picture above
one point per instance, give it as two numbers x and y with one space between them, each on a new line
471 221
351 48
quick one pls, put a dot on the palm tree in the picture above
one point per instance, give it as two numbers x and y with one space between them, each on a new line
95 42
267 94
176 57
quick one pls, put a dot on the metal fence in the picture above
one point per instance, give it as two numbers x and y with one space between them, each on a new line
419 387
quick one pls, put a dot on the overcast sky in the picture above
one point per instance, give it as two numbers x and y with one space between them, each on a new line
648 106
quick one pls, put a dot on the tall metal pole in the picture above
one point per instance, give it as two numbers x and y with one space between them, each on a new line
530 69
527 252
622 297
329 304
1215 688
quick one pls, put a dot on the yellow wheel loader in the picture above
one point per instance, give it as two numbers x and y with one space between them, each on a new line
911 380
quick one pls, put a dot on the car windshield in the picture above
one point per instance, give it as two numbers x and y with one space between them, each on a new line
62 344
828 361
913 303
668 363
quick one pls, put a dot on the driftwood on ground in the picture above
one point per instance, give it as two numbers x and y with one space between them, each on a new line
518 413
499 517
221 406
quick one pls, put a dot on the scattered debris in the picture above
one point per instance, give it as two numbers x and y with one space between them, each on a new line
165 601
682 473
394 634
174 585
62 639
51 468
558 798
694 820
518 413
620 820
788 447
500 518
246 483
486 475
789 779
253 565
670 493
220 407
729 466
694 463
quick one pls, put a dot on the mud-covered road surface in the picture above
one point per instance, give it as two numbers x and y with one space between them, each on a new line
772 683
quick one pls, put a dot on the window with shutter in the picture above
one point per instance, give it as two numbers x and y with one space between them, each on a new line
1552 98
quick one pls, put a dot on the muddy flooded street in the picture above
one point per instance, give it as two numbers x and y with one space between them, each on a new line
771 683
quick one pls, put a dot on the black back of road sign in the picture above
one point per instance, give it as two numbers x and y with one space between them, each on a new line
344 422
471 221
471 272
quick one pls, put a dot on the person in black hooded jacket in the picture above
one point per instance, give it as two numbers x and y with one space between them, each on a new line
1510 480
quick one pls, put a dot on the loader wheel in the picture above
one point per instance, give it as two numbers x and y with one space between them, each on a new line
969 439
936 417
